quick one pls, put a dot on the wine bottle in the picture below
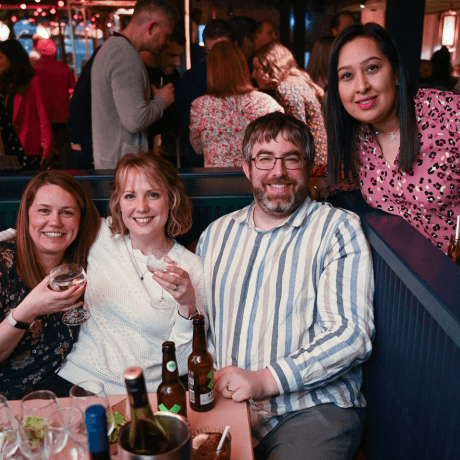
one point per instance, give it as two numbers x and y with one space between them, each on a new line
96 426
200 370
146 435
171 391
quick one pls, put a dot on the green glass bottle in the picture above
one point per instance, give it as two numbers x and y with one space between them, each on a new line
146 435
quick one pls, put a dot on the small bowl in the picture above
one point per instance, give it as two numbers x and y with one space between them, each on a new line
211 454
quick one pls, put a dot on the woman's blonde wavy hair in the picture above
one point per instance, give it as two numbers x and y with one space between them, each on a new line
278 63
155 169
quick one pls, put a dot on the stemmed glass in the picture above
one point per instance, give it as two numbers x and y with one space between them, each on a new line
156 261
35 410
63 277
9 436
5 409
89 393
65 435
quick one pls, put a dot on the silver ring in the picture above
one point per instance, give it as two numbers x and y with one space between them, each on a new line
228 389
177 287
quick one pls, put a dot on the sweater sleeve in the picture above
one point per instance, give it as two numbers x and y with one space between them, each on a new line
128 84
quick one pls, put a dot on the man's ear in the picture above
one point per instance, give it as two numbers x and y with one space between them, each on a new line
245 167
151 25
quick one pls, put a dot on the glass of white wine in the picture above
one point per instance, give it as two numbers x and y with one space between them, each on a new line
63 277
156 261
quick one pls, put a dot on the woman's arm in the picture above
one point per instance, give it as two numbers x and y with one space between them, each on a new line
40 301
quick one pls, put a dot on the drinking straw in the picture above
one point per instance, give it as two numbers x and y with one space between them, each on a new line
161 82
222 439
458 227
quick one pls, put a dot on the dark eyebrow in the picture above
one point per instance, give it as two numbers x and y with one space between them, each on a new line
268 152
363 62
49 206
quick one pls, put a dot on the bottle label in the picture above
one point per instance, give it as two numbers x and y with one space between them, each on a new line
174 409
207 398
171 366
192 396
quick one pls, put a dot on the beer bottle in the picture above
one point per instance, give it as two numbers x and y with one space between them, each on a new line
200 370
171 391
96 427
146 435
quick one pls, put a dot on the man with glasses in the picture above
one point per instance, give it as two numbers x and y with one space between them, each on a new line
289 285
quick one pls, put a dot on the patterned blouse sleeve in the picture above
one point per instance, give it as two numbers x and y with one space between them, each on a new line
196 120
290 97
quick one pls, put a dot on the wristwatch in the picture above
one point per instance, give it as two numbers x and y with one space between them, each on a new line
18 324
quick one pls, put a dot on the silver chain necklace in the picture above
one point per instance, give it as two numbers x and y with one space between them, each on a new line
392 135
131 254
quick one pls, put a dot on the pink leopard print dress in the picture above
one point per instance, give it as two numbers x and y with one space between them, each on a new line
429 196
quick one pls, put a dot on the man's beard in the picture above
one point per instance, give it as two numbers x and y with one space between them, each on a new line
280 205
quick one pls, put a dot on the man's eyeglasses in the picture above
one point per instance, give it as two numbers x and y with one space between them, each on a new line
267 162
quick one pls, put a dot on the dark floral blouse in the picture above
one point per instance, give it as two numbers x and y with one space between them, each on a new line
43 348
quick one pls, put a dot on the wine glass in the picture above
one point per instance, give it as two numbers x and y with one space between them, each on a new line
156 261
5 409
65 435
89 393
34 411
9 436
63 277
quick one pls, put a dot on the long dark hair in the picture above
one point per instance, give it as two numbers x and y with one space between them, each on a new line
20 73
342 128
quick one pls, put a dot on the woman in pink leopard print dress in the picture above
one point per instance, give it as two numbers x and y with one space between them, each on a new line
403 152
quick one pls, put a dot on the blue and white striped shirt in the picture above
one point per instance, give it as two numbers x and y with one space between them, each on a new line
296 299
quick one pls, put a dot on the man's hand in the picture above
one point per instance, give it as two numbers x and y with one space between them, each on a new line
240 384
167 93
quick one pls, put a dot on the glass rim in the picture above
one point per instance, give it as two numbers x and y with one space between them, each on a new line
80 385
34 396
80 268
64 410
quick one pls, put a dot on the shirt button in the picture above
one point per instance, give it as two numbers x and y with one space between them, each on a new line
34 351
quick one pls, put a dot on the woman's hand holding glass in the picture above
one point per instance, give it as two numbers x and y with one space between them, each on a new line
177 282
42 300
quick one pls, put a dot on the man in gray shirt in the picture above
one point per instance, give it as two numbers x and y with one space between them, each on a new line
121 107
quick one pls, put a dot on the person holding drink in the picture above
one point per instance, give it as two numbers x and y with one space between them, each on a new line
34 341
132 310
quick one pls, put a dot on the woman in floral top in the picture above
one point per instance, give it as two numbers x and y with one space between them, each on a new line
33 339
275 69
218 119
405 155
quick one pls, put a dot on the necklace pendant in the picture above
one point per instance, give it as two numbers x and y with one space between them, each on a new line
142 278
393 136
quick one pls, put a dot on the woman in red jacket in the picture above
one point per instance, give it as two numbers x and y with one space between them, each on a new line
25 105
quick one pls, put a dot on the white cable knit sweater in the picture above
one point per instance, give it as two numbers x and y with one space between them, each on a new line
126 327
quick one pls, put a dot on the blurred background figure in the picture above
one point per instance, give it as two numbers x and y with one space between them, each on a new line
441 75
266 32
318 64
218 120
426 70
340 21
245 30
275 68
57 82
193 84
162 69
25 104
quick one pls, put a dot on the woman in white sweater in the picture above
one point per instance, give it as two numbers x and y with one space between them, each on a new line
129 321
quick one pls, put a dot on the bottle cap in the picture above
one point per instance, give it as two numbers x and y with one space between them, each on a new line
169 346
133 373
96 426
198 320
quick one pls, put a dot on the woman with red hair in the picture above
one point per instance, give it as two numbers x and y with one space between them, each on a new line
218 120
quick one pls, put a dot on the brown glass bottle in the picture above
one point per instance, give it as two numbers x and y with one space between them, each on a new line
171 391
146 435
200 370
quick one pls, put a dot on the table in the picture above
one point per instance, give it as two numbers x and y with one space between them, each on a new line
226 412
